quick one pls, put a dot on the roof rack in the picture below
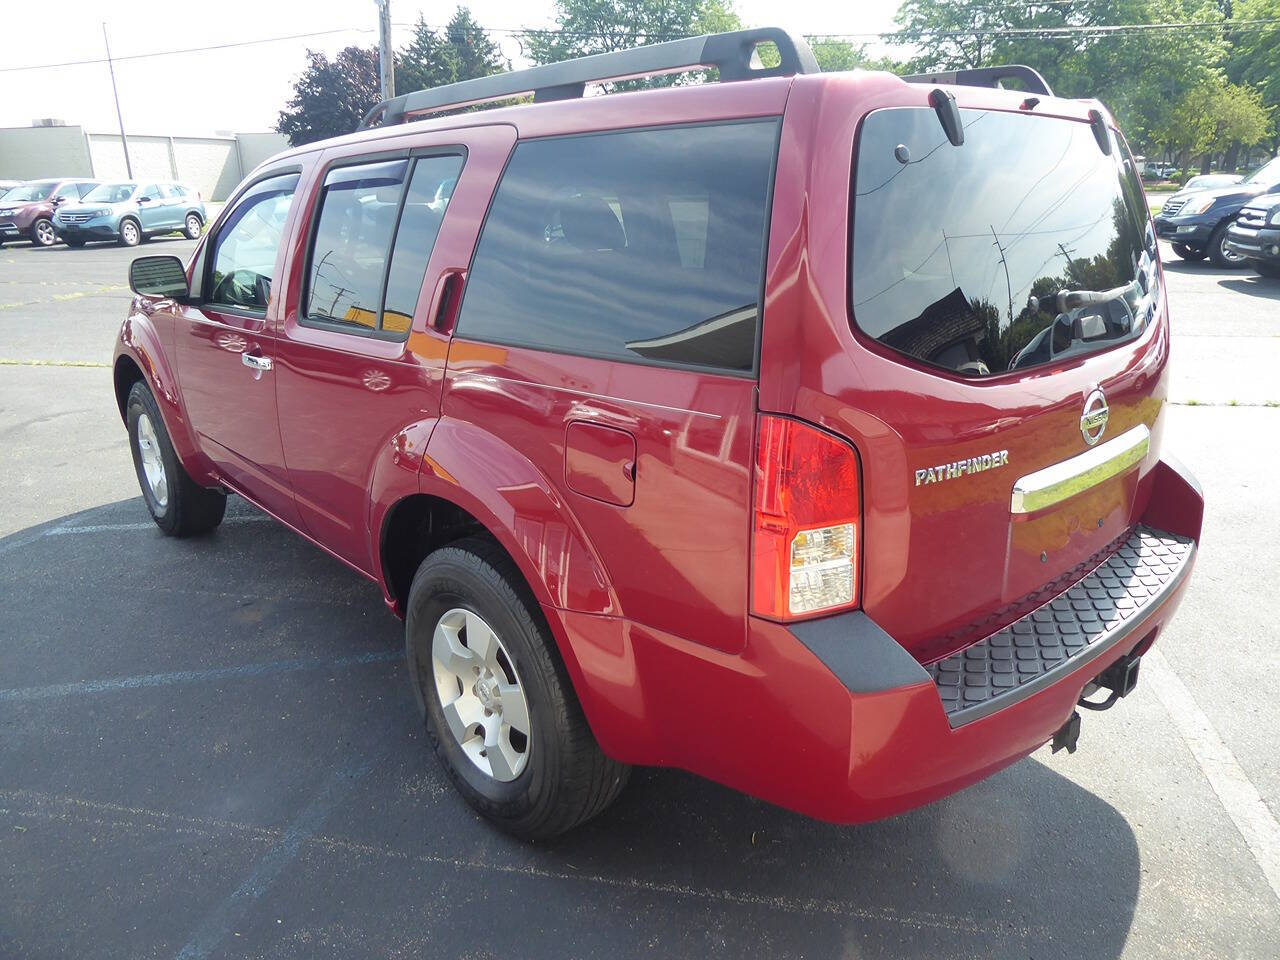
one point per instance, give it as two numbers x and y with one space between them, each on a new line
988 77
732 54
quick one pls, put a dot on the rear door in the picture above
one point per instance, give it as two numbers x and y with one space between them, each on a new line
993 312
608 335
360 359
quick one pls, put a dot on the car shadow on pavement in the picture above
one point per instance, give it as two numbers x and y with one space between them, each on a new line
185 721
1266 288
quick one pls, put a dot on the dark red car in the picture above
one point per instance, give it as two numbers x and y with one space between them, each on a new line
26 211
802 432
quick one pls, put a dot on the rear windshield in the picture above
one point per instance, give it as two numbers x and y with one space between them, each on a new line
1023 246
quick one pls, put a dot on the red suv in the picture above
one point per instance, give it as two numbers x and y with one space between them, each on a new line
799 430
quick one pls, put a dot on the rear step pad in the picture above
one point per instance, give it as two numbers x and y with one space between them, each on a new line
1069 631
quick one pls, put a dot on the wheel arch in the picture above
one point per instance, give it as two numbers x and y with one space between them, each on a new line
140 357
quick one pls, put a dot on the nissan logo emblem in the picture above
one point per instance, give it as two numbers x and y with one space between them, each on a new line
1094 421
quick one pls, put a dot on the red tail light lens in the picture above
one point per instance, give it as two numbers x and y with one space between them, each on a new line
808 518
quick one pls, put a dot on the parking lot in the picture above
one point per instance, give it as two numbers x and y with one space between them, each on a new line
209 748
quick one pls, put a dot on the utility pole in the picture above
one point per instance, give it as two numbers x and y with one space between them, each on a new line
124 142
386 58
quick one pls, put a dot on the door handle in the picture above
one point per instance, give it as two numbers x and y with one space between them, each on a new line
255 362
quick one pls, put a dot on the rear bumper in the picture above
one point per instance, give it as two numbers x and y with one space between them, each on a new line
834 719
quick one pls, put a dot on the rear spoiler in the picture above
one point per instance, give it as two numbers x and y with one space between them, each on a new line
1030 79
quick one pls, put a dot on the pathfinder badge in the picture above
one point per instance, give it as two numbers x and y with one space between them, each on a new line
961 468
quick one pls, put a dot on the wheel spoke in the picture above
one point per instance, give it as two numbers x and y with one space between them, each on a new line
450 654
461 715
481 640
515 711
496 750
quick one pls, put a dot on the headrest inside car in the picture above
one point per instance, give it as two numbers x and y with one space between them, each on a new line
590 224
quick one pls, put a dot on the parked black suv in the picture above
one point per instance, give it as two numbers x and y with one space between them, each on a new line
1255 235
1196 222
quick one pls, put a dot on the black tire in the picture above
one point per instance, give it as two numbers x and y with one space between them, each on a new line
566 778
1190 254
130 237
193 226
74 244
43 234
1218 255
188 509
1267 268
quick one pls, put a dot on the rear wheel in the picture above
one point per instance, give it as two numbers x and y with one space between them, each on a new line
43 234
193 227
501 713
1190 254
179 506
1219 255
130 234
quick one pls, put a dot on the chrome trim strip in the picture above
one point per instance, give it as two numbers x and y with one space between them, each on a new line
1064 480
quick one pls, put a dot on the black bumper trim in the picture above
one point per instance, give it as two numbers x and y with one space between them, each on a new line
859 652
1077 626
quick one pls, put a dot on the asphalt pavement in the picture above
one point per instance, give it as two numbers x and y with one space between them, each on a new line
209 748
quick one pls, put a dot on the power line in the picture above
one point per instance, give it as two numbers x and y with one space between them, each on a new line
170 53
888 38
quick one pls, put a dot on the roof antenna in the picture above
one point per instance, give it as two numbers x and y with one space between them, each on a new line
944 105
1099 126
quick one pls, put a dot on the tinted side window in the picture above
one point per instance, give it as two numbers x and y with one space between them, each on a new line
173 191
357 218
639 245
243 259
430 187
151 191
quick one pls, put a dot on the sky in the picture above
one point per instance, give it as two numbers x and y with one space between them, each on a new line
242 89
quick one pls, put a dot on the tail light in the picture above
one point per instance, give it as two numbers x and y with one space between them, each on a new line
808 515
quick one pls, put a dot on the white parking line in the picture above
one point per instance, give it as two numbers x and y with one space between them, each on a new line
1243 803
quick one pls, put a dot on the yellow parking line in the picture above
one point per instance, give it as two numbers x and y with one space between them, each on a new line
7 362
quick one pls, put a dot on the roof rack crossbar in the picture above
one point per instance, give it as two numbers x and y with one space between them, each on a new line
988 77
732 54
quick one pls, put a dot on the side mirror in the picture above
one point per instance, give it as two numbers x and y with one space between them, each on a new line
59 201
144 199
159 277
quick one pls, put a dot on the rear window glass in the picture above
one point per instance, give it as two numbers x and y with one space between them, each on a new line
641 245
1023 246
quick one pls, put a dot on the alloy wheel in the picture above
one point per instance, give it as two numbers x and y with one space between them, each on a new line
1229 255
193 227
45 234
481 696
152 462
129 233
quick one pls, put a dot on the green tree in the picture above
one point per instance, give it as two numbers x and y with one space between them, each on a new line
584 27
1255 56
1140 75
834 55
332 96
1212 116
463 50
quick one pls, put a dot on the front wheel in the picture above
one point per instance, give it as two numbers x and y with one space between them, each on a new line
130 234
501 714
193 227
1190 254
43 234
179 506
1219 255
